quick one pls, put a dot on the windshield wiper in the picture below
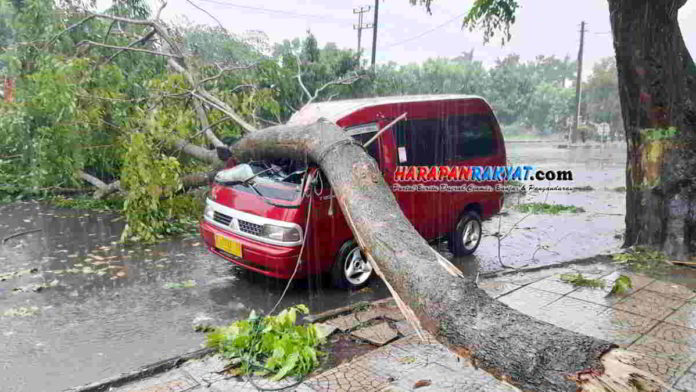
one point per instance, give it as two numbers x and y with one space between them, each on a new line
246 182
269 202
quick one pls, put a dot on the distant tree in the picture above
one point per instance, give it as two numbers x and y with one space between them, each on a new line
657 89
601 95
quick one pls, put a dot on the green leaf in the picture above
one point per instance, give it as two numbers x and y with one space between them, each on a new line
621 285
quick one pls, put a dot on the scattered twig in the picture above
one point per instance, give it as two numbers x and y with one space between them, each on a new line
19 234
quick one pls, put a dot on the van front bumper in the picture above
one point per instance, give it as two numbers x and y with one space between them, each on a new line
267 259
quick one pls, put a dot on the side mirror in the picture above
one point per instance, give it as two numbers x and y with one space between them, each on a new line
223 153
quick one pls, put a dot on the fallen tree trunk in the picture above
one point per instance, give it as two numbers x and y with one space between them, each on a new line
431 292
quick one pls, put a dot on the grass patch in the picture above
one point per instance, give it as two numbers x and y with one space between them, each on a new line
271 346
581 281
545 208
619 189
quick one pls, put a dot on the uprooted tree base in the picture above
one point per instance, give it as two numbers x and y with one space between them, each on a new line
432 293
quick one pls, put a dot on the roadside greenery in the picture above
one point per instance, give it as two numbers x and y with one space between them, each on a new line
545 208
271 346
84 109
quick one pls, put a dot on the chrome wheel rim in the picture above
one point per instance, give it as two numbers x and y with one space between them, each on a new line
471 234
356 269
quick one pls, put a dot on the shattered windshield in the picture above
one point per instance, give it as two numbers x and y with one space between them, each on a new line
277 179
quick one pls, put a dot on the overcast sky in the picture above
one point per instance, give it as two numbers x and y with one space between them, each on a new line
408 34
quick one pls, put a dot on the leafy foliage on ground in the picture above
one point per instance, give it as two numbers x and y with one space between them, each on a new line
621 285
582 281
272 345
545 208
87 203
640 258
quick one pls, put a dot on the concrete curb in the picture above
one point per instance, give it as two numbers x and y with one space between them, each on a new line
315 318
145 371
589 260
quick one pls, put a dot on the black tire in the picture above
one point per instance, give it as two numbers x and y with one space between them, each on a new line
347 254
456 239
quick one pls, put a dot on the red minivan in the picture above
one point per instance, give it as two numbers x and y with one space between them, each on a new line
256 215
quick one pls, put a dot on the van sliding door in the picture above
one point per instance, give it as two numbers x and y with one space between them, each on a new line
419 142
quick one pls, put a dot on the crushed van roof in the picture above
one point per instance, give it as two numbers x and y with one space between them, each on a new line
335 110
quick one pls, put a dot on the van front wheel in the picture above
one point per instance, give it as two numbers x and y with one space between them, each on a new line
351 269
467 234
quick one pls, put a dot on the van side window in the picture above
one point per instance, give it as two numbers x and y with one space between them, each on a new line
421 140
373 148
470 136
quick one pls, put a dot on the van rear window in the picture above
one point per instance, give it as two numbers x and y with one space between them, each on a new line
435 141
469 136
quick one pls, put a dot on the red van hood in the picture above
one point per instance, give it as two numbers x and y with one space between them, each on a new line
254 204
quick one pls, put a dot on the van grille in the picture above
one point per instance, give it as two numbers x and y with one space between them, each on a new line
222 218
250 228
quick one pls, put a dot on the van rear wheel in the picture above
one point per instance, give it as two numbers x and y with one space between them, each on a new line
467 234
351 269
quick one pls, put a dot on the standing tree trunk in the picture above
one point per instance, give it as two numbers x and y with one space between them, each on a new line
432 293
657 88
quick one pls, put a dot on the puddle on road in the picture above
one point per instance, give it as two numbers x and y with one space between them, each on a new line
115 308
540 239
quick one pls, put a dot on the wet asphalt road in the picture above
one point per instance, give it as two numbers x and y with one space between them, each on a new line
103 308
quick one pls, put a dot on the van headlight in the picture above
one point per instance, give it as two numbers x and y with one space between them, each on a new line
208 212
278 233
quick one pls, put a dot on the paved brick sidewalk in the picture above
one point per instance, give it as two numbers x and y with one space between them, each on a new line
656 319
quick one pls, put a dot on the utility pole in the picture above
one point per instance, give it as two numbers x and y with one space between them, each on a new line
360 26
578 88
374 34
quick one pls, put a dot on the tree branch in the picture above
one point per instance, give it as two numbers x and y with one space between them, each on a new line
141 40
223 70
346 80
122 48
209 14
92 179
108 31
198 152
84 20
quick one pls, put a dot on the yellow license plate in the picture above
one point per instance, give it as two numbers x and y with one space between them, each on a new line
228 245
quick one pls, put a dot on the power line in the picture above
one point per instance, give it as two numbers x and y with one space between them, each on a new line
426 32
273 11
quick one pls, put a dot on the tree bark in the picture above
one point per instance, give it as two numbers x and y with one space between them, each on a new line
657 88
432 293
